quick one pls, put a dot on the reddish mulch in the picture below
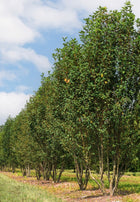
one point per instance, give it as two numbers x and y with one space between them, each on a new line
69 191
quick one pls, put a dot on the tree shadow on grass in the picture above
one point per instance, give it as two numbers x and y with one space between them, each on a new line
94 196
126 189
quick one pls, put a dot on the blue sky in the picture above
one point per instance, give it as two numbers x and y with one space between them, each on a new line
31 30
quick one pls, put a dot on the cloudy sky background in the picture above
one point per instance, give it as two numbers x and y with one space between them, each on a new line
30 31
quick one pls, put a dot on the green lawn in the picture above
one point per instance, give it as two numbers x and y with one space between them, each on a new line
13 191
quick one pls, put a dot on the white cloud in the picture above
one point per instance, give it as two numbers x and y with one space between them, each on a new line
20 21
14 30
47 17
20 54
11 104
89 5
6 75
92 5
22 88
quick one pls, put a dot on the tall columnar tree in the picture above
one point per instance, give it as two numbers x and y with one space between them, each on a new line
72 77
24 144
99 87
36 110
2 162
43 121
8 144
111 50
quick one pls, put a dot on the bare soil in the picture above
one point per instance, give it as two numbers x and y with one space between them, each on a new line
69 191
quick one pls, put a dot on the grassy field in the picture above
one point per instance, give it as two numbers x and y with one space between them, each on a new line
67 190
13 191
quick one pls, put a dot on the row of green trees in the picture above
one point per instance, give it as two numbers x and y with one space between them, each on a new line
86 113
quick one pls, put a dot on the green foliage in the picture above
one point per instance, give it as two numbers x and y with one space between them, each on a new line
8 144
98 85
87 110
1 152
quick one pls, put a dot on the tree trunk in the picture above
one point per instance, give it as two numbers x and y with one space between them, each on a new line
101 163
38 172
80 175
13 169
115 177
95 180
108 167
54 173
28 170
46 169
60 173
23 172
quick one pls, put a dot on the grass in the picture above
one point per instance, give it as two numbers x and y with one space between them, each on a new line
13 191
128 190
130 182
132 173
129 185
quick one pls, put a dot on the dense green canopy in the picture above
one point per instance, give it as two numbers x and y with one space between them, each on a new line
86 113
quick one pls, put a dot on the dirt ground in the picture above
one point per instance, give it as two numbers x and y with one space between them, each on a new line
69 191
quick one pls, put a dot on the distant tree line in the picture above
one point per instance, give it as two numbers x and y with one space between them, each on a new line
85 115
